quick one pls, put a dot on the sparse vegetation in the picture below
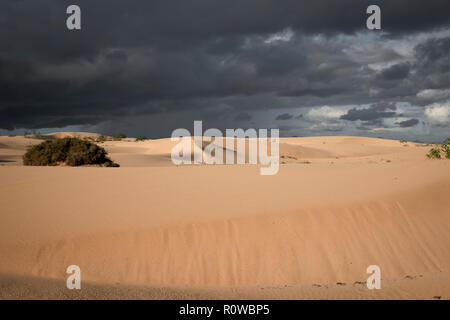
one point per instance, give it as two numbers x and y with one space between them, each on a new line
447 153
12 135
141 138
119 136
445 147
101 138
439 151
67 151
434 153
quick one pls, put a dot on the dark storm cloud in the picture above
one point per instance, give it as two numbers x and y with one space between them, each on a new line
284 116
117 55
149 57
396 72
408 123
383 106
433 50
372 114
433 63
243 116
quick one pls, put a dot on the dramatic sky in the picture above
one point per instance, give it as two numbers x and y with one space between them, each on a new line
149 67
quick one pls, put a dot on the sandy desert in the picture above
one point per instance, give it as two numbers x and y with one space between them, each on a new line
153 230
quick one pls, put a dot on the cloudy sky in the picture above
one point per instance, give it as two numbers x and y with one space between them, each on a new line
149 67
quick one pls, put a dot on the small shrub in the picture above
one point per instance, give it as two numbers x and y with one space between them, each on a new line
69 151
447 153
141 138
445 147
118 137
12 135
434 153
101 138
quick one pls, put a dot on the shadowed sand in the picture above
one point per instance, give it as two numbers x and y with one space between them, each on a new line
154 230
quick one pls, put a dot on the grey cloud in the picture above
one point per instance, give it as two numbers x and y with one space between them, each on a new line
374 112
408 123
396 72
284 116
117 55
243 116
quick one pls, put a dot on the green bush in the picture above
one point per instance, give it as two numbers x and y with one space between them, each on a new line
434 153
141 138
101 138
444 148
69 151
447 153
118 137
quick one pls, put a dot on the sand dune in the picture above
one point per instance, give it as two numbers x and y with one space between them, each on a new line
154 230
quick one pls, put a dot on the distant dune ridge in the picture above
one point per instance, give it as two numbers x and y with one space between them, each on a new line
150 229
